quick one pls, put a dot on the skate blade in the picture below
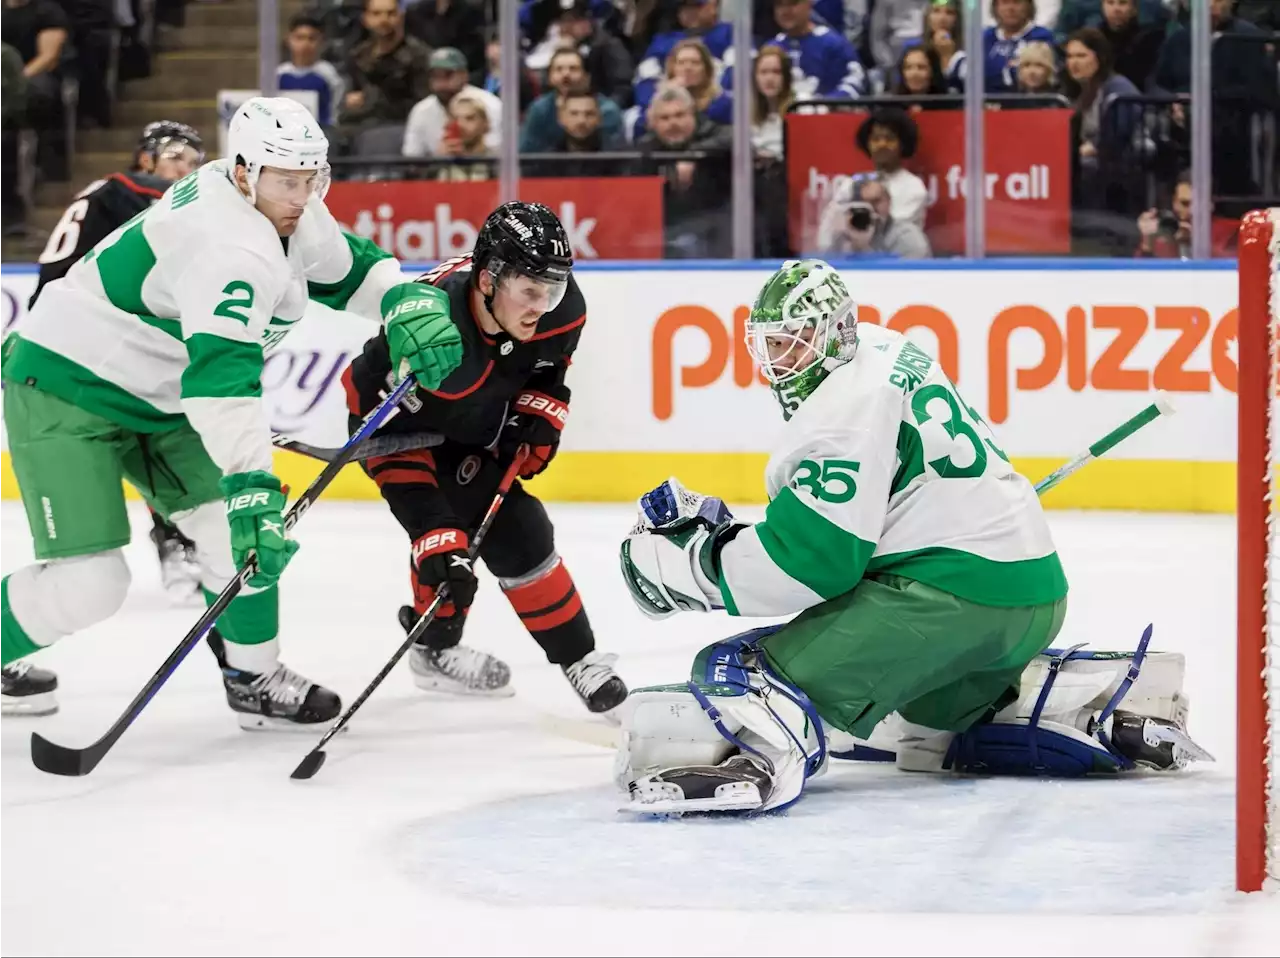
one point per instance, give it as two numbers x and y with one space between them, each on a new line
665 799
449 687
268 723
42 703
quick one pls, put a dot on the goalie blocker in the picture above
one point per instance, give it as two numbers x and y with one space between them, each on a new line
738 737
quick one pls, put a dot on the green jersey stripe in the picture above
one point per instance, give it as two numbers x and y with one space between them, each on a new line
364 255
810 548
222 369
123 267
43 369
978 579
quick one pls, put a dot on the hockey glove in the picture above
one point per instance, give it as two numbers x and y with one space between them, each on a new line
255 512
421 335
539 417
670 562
440 558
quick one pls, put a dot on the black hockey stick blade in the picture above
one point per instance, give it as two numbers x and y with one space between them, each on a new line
310 764
59 760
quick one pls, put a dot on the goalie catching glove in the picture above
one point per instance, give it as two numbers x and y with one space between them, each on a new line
255 511
670 561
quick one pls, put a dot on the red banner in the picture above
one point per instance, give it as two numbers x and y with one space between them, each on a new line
606 217
1028 165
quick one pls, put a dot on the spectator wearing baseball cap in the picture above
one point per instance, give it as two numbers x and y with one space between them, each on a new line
425 129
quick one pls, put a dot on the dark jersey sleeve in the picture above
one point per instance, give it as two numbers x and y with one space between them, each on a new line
91 217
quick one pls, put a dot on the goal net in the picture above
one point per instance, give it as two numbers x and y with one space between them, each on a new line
1258 532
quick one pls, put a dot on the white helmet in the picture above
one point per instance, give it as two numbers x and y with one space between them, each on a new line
277 132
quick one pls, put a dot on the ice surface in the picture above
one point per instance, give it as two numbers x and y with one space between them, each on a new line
446 826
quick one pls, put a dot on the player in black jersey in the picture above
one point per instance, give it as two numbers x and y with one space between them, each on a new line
520 313
167 151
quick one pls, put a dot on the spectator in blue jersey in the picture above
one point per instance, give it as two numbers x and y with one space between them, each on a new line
690 65
306 71
699 20
1015 25
825 62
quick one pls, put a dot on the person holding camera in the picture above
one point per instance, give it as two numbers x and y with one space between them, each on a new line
1167 234
857 221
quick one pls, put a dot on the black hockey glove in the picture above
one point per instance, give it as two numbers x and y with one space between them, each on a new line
539 416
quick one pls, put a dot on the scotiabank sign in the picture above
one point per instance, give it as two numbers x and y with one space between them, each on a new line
1028 161
423 220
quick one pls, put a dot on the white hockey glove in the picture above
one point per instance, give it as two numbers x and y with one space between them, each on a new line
669 559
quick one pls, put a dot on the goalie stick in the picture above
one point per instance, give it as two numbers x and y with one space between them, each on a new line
61 760
312 761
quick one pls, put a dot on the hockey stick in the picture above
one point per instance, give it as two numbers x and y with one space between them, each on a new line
376 446
60 760
312 761
1162 406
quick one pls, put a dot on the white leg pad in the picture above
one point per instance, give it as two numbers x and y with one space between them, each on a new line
56 598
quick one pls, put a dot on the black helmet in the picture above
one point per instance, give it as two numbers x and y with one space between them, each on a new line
525 238
156 135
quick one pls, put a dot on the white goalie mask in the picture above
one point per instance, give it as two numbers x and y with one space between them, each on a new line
283 149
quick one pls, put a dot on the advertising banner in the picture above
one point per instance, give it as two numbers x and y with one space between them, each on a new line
662 382
606 217
1028 162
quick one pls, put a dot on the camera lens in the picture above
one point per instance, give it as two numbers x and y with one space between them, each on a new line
860 219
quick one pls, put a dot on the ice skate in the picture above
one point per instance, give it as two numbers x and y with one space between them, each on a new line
28 690
458 670
179 569
595 681
279 700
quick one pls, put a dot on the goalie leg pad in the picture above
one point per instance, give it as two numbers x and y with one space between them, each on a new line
1067 720
687 743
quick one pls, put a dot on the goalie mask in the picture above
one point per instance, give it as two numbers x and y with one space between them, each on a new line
803 325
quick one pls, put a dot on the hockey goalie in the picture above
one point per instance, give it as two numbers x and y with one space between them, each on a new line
928 590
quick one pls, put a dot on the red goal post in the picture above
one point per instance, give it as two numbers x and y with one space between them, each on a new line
1258 555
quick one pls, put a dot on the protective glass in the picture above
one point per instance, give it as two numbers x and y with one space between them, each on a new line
292 188
185 157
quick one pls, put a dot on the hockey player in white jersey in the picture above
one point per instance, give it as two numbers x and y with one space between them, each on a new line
159 380
926 580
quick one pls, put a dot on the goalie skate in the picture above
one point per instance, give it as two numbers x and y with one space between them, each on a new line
458 670
28 690
737 784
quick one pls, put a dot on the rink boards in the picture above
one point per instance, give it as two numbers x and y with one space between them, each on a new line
1053 353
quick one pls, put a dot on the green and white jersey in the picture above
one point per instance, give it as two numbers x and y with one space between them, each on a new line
170 315
885 470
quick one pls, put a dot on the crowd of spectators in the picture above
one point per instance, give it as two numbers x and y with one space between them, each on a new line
63 63
644 79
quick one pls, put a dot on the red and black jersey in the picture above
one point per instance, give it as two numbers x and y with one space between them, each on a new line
92 216
471 405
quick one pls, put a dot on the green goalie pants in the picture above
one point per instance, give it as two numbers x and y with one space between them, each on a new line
897 645
70 463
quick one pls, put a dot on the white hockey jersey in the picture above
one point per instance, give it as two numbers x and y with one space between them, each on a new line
170 315
884 469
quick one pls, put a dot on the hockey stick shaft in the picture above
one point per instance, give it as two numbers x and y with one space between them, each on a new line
60 760
312 761
1161 407
374 446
